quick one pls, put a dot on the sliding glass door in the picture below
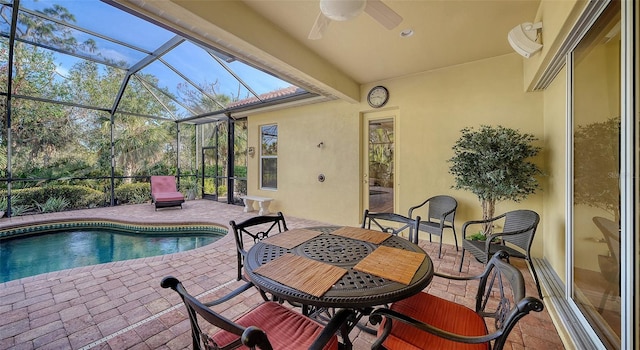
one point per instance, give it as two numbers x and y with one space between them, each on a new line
595 262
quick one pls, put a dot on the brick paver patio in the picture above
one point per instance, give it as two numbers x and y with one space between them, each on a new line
121 305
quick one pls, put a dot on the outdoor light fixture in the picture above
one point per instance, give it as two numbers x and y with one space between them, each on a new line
523 37
342 10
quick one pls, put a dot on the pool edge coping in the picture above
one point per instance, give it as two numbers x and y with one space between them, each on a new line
19 229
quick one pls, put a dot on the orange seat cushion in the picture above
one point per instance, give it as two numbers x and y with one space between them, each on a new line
437 312
285 328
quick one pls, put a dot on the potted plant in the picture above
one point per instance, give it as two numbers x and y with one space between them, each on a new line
492 162
191 188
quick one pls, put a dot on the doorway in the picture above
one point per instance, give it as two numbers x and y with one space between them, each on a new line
213 174
379 170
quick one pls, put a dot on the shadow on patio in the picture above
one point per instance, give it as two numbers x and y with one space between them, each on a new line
121 305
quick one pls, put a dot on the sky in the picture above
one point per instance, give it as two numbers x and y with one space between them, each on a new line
188 58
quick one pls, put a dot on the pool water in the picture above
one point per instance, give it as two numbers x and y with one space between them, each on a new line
32 255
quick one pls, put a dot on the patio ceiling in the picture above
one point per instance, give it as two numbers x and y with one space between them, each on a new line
234 57
185 80
274 34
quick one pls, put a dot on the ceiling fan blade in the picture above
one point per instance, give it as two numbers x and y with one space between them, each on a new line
319 27
383 14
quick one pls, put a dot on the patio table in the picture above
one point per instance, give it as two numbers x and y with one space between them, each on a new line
355 289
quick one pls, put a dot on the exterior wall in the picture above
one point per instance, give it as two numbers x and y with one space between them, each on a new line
555 136
431 109
300 161
557 19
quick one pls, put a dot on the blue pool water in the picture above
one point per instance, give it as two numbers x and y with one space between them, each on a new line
32 255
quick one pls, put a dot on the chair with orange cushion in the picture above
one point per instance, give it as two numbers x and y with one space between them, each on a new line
425 321
164 192
270 325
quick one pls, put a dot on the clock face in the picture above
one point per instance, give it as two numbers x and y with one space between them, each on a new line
378 96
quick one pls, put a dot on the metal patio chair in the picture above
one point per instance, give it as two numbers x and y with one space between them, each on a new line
257 228
440 215
519 228
426 321
270 325
392 223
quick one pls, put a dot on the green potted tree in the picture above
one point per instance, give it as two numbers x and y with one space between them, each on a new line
492 162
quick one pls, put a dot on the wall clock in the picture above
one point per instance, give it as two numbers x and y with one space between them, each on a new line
378 96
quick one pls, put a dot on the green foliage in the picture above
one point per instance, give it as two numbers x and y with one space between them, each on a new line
20 209
492 163
190 187
78 197
53 204
240 171
135 193
481 236
478 236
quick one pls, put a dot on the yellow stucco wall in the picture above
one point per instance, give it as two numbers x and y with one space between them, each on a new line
555 130
300 161
557 17
431 109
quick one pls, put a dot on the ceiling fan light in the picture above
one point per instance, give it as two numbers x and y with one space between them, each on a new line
342 10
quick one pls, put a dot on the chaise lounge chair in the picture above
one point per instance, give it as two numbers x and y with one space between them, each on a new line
164 192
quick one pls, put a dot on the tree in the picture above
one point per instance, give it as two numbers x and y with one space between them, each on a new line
492 163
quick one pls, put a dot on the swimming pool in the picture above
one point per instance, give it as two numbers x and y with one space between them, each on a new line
47 248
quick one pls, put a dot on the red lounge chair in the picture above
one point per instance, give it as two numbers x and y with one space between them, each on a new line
164 192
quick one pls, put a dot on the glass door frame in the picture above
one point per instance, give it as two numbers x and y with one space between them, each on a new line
629 134
205 195
366 171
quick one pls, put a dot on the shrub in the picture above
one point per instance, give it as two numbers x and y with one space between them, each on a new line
135 193
20 209
53 204
78 197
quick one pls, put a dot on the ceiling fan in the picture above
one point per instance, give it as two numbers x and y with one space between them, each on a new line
344 10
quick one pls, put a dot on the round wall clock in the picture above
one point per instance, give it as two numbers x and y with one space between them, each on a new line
378 96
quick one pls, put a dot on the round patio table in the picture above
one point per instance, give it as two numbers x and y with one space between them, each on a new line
355 290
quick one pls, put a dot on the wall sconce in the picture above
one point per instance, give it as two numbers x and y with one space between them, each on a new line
251 151
522 38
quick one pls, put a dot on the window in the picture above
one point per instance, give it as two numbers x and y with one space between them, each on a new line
269 156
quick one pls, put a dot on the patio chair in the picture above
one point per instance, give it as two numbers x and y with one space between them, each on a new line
392 223
519 228
257 228
426 321
609 264
164 192
268 326
440 215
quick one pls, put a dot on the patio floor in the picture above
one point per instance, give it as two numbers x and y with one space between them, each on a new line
121 305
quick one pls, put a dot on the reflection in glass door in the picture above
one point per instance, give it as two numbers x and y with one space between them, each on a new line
380 165
596 177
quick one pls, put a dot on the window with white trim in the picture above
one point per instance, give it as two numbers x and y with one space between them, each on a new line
269 156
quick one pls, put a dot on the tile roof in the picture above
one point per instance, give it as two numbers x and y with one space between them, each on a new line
284 92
